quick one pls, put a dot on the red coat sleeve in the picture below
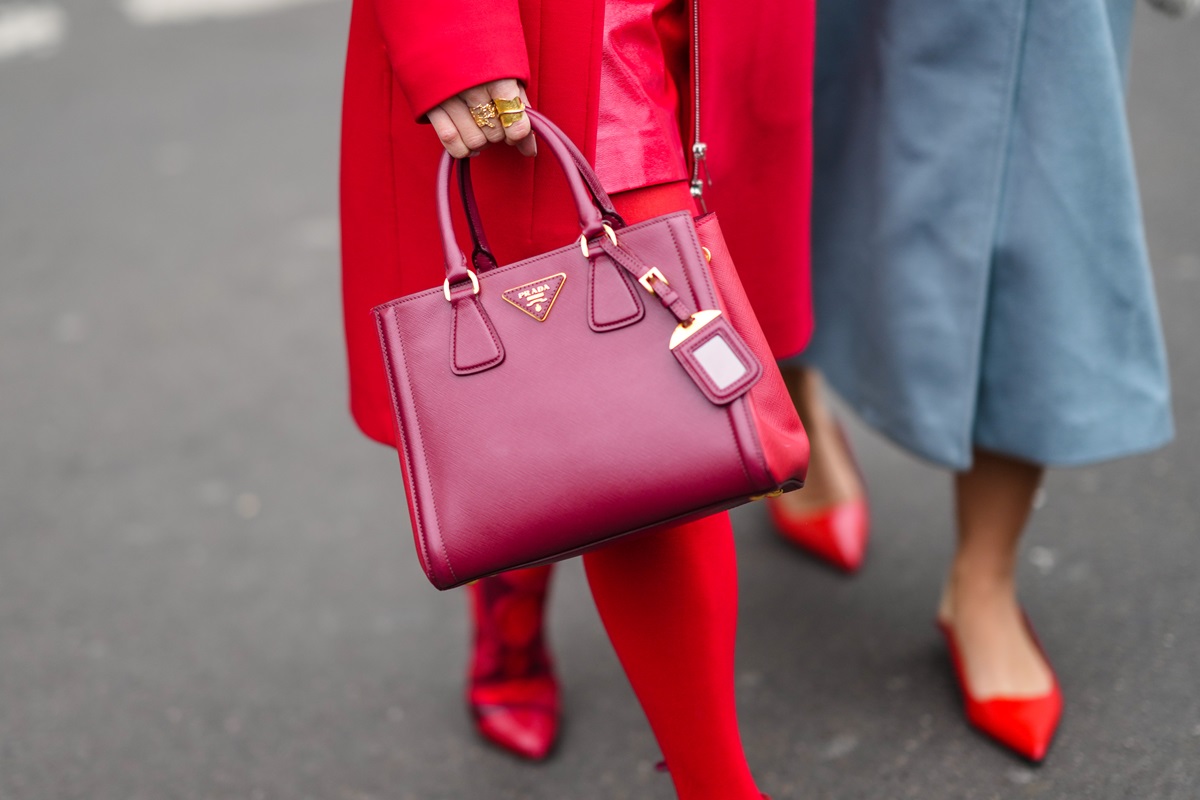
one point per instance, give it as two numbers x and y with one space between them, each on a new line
438 48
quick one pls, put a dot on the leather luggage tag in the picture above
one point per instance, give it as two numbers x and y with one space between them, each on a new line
715 357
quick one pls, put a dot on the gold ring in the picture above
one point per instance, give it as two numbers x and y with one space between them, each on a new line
511 111
483 114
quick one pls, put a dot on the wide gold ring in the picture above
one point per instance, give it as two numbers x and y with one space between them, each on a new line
510 111
483 114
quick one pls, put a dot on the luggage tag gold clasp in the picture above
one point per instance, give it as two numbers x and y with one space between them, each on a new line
686 330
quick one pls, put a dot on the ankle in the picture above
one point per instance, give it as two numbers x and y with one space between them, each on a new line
806 388
973 589
983 571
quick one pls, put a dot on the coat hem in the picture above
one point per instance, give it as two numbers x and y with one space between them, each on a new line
962 459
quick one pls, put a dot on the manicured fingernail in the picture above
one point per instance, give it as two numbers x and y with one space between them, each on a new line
473 153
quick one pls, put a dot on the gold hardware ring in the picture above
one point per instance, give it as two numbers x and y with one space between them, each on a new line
608 231
510 111
474 285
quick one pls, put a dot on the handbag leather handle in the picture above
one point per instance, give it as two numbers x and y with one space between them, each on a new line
482 257
599 196
591 220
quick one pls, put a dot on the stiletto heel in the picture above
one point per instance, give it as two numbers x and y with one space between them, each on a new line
836 534
512 691
1025 725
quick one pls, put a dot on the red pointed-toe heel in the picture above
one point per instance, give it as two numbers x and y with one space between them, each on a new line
512 691
836 534
1025 725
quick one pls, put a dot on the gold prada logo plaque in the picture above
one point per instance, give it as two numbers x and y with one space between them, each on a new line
536 298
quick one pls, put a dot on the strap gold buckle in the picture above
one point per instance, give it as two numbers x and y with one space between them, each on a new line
647 280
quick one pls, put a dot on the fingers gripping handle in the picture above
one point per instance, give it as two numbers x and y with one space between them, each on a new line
482 256
591 220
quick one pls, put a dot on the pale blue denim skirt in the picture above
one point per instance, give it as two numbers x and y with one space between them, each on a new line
979 265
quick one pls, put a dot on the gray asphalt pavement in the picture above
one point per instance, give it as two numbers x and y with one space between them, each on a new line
207 587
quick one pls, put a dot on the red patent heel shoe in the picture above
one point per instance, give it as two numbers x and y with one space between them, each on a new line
512 690
1025 725
836 534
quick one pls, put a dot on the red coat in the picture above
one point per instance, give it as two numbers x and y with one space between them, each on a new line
407 56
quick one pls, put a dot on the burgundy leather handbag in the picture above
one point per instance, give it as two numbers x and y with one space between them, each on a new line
611 386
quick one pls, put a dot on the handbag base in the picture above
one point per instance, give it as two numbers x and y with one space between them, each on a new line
682 519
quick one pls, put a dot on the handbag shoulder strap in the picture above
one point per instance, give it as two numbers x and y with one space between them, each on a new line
700 176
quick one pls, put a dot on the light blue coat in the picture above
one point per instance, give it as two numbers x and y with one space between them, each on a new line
980 271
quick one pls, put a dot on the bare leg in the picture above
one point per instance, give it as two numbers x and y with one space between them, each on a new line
832 476
994 499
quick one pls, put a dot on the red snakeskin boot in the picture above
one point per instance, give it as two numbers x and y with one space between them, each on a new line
512 690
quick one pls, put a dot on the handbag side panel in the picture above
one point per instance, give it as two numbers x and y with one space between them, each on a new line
431 551
784 443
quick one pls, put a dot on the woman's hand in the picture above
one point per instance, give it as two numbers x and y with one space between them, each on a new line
460 134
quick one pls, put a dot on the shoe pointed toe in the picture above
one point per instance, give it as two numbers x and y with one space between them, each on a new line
847 526
527 732
521 716
1025 725
835 534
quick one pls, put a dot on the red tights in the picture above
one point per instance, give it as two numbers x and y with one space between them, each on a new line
669 603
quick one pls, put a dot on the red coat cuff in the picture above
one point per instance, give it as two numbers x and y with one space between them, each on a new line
437 49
